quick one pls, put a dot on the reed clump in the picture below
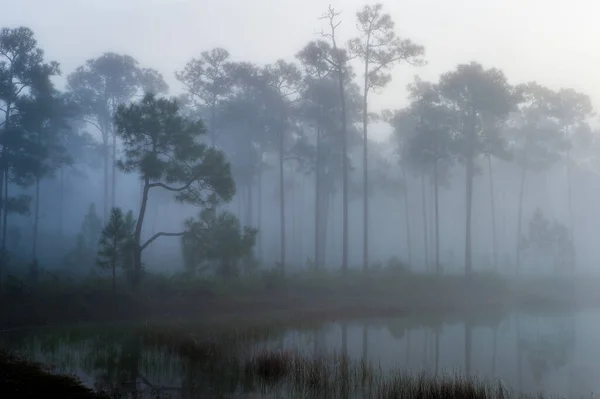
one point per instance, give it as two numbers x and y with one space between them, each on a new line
339 377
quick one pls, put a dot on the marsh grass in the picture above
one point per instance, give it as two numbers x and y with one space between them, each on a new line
292 375
286 373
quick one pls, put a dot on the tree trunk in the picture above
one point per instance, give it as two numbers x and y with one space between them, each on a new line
438 268
326 198
520 221
260 203
5 213
570 203
106 183
292 216
3 204
407 216
3 201
493 205
317 237
281 202
469 200
114 272
345 199
366 161
424 215
250 216
437 350
114 172
61 207
494 351
137 255
365 343
36 219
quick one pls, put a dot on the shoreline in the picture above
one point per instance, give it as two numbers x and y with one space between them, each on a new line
336 300
24 379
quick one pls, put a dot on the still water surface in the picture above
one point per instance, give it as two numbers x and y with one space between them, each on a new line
556 354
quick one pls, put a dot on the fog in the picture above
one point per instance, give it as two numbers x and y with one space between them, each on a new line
223 160
551 44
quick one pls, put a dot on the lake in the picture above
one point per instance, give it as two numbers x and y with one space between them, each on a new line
555 354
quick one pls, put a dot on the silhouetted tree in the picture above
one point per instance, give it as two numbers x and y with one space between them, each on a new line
535 140
208 80
23 72
380 49
162 147
217 238
115 242
283 79
478 96
100 86
430 146
337 58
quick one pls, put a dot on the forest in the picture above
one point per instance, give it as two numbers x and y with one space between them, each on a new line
256 168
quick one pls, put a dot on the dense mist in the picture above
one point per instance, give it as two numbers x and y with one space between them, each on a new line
515 161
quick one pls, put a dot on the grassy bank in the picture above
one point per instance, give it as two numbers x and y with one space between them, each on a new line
222 365
263 375
22 379
302 296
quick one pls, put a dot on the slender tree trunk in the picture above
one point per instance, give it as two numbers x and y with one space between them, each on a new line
113 192
250 205
438 268
494 351
424 214
520 220
570 204
5 213
3 205
366 160
137 255
318 201
469 201
3 202
493 205
106 183
114 272
300 217
365 342
345 198
260 221
36 219
437 350
281 202
326 198
292 212
61 207
213 133
407 217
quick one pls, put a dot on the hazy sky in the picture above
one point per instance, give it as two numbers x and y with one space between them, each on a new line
554 42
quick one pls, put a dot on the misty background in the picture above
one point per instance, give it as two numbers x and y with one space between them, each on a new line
552 43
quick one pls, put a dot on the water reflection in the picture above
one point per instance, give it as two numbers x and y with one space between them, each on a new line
531 353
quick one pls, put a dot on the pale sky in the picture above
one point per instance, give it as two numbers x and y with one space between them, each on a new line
554 42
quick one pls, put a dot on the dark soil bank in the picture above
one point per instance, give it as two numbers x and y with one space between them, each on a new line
22 379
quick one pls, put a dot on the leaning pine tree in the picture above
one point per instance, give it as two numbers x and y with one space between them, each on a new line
164 148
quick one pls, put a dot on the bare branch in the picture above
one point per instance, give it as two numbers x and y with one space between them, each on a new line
161 234
169 188
93 124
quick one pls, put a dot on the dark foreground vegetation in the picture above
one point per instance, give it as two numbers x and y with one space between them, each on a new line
22 379
226 367
269 296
